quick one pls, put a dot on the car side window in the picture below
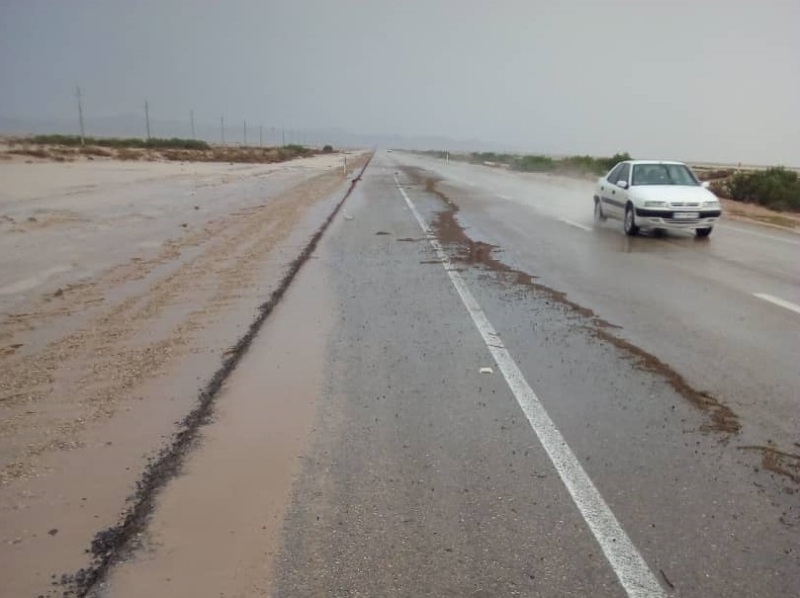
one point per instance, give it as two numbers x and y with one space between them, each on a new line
623 174
612 176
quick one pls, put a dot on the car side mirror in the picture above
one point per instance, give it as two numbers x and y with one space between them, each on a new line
705 184
623 184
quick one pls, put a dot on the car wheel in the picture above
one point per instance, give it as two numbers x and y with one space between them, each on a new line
599 216
703 232
630 222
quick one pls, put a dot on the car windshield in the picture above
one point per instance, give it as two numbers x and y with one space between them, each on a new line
663 174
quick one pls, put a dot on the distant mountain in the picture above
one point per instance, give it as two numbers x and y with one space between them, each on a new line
133 125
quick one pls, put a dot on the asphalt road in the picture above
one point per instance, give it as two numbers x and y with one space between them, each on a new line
570 413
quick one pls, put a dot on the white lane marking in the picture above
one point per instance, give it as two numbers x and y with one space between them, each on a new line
629 566
762 235
576 225
778 301
504 196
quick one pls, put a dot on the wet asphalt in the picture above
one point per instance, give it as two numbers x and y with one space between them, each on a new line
424 478
408 465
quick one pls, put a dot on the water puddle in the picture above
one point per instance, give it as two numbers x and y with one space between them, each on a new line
196 542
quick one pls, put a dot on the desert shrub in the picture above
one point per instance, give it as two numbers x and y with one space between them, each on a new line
92 150
606 164
34 153
128 154
534 163
776 188
120 142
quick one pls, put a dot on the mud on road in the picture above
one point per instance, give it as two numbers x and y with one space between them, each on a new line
94 376
721 419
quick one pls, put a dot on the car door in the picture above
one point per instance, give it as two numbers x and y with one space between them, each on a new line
607 186
615 192
619 191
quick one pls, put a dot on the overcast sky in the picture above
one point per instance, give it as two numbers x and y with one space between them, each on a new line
691 79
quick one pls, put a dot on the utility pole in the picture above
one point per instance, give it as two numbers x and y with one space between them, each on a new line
283 136
222 128
80 114
147 117
191 118
245 131
261 135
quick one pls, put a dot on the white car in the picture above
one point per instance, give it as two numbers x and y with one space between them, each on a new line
647 194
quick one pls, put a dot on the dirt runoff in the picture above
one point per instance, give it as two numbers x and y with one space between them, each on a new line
721 419
128 351
737 210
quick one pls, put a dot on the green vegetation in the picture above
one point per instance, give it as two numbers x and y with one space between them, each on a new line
294 150
68 148
533 163
328 149
539 163
776 188
117 142
238 154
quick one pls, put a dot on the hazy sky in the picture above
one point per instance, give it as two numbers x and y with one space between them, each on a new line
693 79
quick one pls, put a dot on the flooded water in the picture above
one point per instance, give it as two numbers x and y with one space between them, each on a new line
217 526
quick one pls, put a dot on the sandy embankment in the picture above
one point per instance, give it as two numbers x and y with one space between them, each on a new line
121 287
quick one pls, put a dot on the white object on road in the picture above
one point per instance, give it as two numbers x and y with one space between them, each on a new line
486 371
577 225
777 301
628 564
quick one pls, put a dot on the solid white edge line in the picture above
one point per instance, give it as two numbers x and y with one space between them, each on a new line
504 196
576 225
629 566
778 301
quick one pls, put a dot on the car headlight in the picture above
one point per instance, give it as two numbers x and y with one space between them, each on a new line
655 204
711 204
